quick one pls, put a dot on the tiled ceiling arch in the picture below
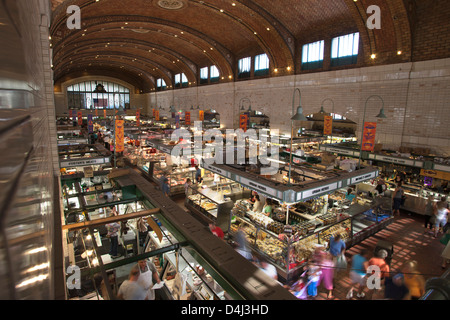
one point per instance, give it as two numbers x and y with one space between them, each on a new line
166 37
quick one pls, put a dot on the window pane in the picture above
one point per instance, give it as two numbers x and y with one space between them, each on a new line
204 73
177 78
184 78
214 72
261 62
244 64
345 46
313 51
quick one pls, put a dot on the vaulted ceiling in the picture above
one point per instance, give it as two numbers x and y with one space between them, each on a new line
142 40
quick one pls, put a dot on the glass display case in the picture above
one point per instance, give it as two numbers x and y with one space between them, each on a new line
176 175
199 284
212 204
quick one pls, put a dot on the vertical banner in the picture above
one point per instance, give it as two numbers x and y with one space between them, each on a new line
243 122
90 123
120 147
177 121
327 125
154 113
201 115
187 118
80 118
104 113
138 117
96 113
157 115
368 142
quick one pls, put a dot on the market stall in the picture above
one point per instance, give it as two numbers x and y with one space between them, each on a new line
73 158
305 213
172 243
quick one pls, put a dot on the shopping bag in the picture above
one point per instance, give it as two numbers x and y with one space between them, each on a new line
179 285
341 262
444 240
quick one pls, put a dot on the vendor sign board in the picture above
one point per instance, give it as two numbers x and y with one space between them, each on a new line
80 118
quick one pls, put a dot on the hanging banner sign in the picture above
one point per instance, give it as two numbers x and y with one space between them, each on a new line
243 122
90 123
138 117
327 125
177 121
154 112
96 113
201 115
187 118
80 118
368 142
157 115
120 147
104 113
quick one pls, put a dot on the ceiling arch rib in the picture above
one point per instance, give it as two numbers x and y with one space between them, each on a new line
167 62
273 37
206 48
86 60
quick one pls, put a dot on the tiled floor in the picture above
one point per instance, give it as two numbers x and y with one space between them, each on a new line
411 242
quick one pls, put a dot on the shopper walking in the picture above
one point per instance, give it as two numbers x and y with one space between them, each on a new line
131 289
379 271
357 273
327 266
413 280
217 231
397 198
446 252
395 288
113 235
441 215
429 213
314 273
336 246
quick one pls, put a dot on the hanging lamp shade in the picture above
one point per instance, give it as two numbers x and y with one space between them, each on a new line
322 110
121 111
381 114
299 115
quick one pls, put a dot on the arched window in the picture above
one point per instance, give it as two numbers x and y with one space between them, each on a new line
98 95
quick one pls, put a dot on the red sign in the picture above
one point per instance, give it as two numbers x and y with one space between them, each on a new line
327 125
157 115
119 136
368 141
243 122
201 115
138 117
187 118
104 113
80 118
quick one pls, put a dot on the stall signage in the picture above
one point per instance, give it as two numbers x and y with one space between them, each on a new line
71 142
363 177
318 191
138 117
201 115
215 170
435 174
442 167
342 151
243 122
406 162
164 149
104 113
157 115
258 187
81 163
187 118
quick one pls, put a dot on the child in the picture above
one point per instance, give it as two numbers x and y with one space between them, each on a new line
314 274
